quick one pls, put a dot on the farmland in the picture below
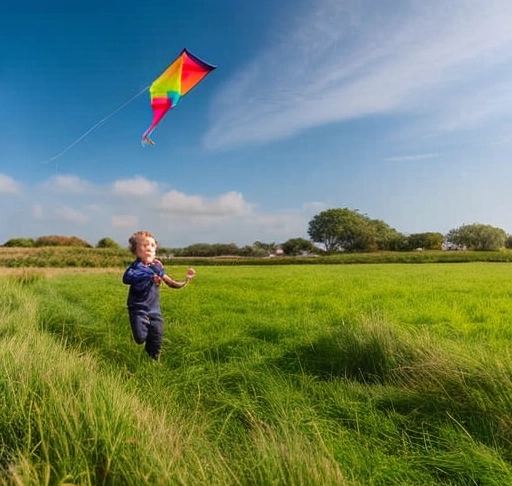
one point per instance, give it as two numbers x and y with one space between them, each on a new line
375 374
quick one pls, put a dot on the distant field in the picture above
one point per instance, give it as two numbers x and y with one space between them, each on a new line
377 374
78 257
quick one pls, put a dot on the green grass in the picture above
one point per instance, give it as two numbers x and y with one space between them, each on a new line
387 374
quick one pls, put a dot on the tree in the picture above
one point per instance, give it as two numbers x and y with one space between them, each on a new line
261 248
107 243
343 229
208 250
508 242
225 249
297 246
478 237
427 241
198 250
387 238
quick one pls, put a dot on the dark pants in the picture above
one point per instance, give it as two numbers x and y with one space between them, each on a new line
148 329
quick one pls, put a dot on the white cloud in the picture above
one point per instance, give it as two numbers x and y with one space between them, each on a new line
313 207
68 183
231 203
411 158
51 213
124 221
137 186
71 215
8 185
346 60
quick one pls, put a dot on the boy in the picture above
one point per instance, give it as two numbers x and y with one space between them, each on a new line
144 277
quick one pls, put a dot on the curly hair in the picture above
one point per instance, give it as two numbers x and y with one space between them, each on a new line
136 237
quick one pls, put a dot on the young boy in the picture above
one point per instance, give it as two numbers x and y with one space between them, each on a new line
144 277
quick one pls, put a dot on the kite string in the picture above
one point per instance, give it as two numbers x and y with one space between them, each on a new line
96 126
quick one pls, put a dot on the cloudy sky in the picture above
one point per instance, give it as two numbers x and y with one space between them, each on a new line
401 109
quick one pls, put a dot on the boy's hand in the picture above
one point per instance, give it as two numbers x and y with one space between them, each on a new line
191 273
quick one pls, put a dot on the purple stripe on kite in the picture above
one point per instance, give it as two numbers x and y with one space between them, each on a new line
204 64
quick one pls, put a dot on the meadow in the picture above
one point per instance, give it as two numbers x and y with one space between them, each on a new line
300 375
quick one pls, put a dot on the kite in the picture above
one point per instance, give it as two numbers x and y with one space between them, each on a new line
183 74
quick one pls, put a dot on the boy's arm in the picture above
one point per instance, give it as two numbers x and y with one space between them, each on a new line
170 282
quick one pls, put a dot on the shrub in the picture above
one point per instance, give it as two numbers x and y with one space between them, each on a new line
20 242
107 243
57 240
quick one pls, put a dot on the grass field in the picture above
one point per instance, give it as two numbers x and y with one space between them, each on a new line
376 374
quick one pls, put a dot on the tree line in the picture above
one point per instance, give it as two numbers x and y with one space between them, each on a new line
345 229
331 231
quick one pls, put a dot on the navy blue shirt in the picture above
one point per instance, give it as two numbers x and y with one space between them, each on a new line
144 292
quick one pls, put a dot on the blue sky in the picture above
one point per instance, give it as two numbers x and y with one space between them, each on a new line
401 109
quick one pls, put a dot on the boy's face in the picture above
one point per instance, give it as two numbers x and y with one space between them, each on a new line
146 249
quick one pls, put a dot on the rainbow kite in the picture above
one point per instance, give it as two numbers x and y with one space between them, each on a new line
185 72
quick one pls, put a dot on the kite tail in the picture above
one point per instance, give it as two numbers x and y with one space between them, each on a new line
145 137
146 141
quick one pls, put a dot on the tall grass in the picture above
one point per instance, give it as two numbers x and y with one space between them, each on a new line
66 421
361 375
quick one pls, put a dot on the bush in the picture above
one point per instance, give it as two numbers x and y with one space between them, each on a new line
107 243
56 240
20 242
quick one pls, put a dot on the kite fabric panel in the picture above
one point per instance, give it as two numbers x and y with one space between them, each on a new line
185 72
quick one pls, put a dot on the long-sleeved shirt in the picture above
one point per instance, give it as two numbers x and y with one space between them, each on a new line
144 292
